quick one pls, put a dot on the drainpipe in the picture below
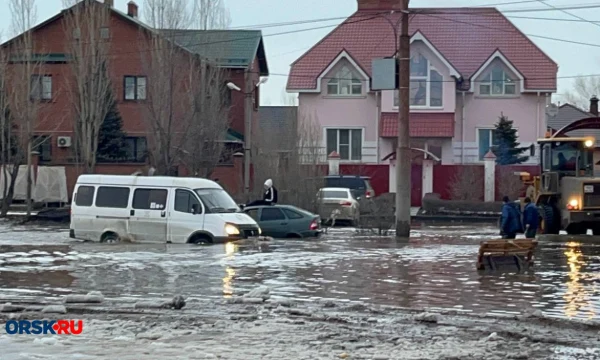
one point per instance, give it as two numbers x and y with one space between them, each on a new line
377 118
537 118
462 125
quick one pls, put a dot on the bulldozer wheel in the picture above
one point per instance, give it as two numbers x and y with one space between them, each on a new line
548 225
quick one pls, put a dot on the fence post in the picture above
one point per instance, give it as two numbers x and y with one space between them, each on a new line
427 172
490 176
334 163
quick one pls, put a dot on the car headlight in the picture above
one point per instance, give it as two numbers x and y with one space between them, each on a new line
259 231
231 229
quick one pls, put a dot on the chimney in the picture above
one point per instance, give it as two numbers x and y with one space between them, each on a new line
132 9
594 105
380 4
109 3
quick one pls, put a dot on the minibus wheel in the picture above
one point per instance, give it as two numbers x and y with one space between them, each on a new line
200 239
110 237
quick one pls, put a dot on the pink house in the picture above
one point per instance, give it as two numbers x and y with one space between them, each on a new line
468 66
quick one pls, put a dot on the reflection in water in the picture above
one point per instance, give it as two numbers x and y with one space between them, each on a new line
228 282
434 270
576 297
230 250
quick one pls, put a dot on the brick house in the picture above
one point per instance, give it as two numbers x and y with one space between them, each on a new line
242 55
468 66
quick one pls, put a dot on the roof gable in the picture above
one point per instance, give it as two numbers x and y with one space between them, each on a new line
466 37
342 55
418 36
486 65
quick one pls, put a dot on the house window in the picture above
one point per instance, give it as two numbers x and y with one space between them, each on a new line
346 142
345 83
426 84
135 88
41 87
104 33
497 82
43 145
486 141
136 149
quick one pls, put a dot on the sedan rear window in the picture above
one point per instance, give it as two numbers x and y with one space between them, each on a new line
334 194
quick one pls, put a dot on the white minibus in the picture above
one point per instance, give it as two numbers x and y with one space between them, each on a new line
110 208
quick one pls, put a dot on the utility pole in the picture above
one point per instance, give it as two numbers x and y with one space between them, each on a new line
403 153
247 130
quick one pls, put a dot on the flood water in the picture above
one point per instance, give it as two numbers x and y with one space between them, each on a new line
436 269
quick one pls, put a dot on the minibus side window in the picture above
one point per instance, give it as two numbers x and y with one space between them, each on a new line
112 197
150 199
84 196
185 201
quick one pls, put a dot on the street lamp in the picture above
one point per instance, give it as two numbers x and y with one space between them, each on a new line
247 124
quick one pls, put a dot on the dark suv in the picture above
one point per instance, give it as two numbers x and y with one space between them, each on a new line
360 185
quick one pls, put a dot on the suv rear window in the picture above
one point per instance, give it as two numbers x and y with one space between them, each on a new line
346 182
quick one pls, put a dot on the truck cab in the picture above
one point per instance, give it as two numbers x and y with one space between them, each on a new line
568 194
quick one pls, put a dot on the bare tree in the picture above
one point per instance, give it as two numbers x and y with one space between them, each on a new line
291 156
468 183
583 89
86 27
12 154
210 14
509 184
168 14
206 127
170 75
28 89
289 99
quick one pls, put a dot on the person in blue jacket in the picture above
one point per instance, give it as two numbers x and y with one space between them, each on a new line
510 223
531 219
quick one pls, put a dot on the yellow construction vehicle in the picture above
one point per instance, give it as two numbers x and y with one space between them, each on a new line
566 193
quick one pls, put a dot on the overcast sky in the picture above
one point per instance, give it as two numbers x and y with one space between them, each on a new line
282 50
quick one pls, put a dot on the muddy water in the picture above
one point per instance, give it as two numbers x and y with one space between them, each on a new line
435 270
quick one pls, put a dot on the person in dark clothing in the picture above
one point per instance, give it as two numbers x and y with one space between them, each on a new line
510 223
531 219
269 197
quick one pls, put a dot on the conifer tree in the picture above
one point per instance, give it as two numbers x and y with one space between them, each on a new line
111 137
506 146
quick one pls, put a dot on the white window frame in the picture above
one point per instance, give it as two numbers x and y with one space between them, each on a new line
478 129
339 75
362 141
488 80
427 78
492 128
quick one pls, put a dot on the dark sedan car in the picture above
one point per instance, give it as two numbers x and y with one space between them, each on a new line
285 221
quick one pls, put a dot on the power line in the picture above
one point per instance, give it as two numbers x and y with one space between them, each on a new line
450 10
515 30
363 18
569 13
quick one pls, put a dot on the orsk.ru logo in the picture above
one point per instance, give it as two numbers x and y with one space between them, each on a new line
44 327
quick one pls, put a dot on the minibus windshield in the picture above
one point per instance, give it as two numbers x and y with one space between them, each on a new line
217 200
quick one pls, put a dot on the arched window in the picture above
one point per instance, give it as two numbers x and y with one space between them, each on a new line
497 82
426 84
344 83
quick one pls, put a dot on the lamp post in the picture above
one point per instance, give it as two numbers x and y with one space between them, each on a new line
247 123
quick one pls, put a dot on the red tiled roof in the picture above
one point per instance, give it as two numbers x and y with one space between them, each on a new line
466 37
429 125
